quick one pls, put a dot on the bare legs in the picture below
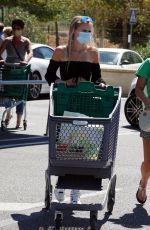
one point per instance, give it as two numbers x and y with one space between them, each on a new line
19 116
145 170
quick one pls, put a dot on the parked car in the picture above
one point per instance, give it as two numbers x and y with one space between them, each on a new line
133 106
118 66
39 63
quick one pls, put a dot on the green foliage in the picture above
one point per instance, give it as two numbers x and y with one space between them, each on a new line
143 51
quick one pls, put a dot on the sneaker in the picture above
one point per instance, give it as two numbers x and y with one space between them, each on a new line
59 194
75 197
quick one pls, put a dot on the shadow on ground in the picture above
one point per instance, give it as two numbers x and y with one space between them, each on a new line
44 220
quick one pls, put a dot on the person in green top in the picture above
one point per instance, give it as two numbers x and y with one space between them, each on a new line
143 74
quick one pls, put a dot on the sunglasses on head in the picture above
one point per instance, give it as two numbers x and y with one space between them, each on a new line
85 19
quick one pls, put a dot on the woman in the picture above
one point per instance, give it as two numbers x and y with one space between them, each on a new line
78 61
18 49
143 74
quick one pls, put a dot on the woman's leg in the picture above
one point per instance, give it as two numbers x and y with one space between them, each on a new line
19 112
145 170
145 167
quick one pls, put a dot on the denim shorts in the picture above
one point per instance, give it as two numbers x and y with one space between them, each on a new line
19 108
145 135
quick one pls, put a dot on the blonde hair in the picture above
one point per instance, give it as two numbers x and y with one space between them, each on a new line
75 23
7 30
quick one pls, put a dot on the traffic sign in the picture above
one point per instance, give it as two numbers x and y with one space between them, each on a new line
133 16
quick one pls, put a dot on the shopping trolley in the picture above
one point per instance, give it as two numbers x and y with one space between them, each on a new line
83 131
15 94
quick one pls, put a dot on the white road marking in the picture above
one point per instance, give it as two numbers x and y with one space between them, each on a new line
4 206
18 206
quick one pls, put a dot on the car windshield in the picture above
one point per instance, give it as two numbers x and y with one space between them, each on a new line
108 57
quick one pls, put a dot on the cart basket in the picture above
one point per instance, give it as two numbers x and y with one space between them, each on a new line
17 74
85 141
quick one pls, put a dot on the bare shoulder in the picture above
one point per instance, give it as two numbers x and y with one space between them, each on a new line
94 53
59 53
25 39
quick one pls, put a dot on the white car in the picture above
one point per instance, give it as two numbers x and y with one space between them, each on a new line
118 66
39 63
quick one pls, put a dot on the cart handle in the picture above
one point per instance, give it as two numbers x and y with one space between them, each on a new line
86 86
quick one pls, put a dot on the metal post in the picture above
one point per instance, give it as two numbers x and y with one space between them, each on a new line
131 28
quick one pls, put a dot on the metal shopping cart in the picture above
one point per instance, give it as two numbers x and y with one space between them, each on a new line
15 94
83 131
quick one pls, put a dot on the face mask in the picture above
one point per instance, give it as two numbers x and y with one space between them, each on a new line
84 37
17 33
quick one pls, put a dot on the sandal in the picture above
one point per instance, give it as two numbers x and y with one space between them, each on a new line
142 191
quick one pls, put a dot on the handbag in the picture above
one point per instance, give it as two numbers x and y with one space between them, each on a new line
144 121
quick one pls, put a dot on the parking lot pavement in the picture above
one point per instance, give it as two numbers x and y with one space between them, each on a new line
37 112
22 180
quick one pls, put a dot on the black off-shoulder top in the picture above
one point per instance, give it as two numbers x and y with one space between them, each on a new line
74 69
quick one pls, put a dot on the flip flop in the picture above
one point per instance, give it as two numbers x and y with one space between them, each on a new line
141 190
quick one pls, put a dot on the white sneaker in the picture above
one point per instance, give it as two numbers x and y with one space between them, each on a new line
75 196
59 194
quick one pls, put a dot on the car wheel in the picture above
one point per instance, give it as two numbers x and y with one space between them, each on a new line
133 107
34 89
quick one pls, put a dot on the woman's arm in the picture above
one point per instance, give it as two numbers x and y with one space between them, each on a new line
2 48
29 52
96 70
53 66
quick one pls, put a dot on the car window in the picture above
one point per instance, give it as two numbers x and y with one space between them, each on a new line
127 58
108 57
130 58
43 52
137 58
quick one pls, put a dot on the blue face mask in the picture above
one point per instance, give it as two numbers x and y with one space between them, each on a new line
84 37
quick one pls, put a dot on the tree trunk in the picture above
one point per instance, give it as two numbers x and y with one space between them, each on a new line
125 33
56 32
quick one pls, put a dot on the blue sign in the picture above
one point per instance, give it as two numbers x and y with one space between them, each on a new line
132 16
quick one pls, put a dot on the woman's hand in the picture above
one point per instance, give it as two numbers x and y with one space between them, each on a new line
2 62
23 63
102 85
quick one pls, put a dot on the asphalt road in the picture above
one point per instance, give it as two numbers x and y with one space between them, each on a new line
23 160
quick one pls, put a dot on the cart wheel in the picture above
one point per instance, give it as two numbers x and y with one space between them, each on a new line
93 220
3 127
111 195
58 219
48 191
25 124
